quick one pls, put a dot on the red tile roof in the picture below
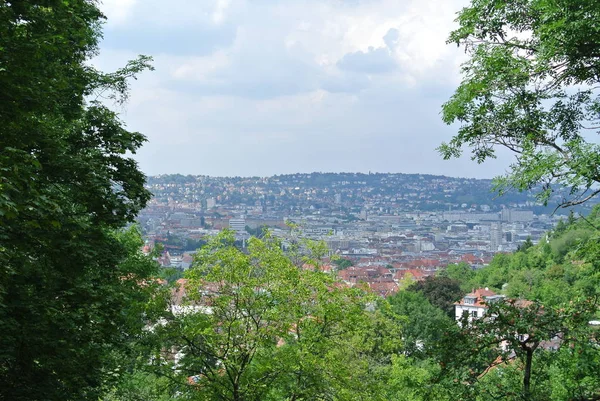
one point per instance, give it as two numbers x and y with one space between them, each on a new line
480 295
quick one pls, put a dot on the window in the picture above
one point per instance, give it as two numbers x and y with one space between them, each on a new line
474 313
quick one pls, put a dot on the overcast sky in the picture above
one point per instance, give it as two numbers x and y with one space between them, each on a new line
263 87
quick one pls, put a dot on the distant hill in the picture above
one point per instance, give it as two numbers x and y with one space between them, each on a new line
408 192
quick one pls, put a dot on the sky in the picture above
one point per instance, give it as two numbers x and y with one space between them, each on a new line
264 87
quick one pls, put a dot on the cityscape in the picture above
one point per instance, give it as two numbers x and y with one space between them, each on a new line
293 201
389 229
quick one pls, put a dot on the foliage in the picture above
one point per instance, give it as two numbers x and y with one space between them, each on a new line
561 268
412 381
258 232
442 292
425 323
461 272
259 327
489 358
527 244
343 263
139 385
507 354
531 86
69 286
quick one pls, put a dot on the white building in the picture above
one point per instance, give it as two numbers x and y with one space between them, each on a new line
512 215
475 303
238 225
495 237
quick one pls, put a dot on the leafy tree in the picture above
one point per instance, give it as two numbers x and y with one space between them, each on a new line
461 272
67 282
343 263
527 244
569 241
425 323
531 86
139 385
481 353
442 292
265 329
573 372
412 381
560 227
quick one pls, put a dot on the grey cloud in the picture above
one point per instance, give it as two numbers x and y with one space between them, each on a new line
257 89
374 61
391 38
260 76
223 122
398 134
344 83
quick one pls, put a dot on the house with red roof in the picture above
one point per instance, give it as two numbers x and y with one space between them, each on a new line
384 288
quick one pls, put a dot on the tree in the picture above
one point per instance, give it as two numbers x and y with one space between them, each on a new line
461 272
527 244
440 291
66 185
508 340
343 263
138 385
265 329
425 323
531 86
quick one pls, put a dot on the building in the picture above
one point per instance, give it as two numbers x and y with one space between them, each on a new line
495 237
238 225
512 215
475 303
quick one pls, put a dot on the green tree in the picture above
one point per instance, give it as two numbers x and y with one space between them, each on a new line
560 227
425 323
461 272
66 184
442 292
531 86
138 385
410 381
495 357
343 263
264 329
527 244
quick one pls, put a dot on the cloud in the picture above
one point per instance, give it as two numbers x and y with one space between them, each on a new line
118 11
373 61
345 82
269 72
391 38
258 87
219 14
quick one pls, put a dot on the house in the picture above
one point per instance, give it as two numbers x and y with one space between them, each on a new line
384 288
475 303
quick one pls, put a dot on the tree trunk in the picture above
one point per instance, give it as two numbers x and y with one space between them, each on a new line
527 374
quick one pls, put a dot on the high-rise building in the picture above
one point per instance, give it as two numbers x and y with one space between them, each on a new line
495 236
